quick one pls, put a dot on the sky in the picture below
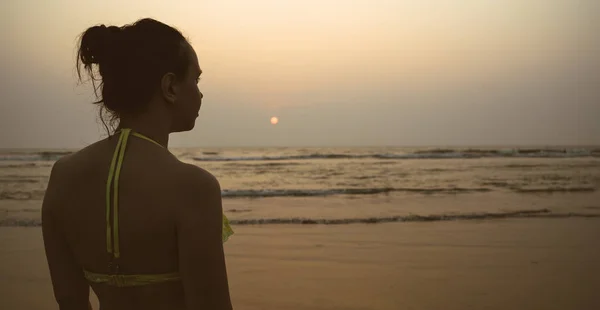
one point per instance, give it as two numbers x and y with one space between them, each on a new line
335 73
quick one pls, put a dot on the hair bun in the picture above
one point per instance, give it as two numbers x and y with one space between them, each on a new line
96 43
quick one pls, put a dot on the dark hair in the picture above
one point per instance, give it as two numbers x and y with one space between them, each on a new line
130 63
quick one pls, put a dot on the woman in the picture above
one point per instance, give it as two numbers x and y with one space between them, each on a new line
123 215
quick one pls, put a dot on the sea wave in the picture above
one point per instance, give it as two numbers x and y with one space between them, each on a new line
22 195
285 157
17 180
342 191
549 190
540 213
262 165
269 193
448 153
23 165
422 154
34 156
526 214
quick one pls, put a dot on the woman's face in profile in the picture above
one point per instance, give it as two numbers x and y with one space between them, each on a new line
189 98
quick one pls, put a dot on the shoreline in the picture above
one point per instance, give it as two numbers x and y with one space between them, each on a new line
376 209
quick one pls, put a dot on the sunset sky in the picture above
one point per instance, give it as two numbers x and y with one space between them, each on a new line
335 73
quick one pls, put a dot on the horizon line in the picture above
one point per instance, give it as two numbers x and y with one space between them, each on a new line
441 146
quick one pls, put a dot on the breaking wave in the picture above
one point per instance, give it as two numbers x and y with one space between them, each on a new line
17 180
423 154
262 165
22 195
540 213
208 156
549 190
34 156
266 193
341 191
287 157
24 165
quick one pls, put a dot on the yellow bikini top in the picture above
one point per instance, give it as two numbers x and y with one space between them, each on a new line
112 231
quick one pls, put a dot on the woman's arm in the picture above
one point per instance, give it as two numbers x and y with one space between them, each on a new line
71 290
199 232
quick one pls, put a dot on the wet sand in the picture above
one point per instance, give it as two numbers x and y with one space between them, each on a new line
490 264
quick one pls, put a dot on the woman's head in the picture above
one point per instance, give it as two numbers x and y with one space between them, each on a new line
140 67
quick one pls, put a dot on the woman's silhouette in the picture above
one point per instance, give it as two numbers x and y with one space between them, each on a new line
123 215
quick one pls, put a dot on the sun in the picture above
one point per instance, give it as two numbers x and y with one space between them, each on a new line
274 120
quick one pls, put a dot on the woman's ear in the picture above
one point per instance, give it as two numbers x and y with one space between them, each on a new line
168 87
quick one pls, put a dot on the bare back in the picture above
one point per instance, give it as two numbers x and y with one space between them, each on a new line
150 191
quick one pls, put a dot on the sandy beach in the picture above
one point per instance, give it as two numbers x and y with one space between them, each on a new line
492 264
370 155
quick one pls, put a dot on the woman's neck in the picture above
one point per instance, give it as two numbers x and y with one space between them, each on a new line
152 130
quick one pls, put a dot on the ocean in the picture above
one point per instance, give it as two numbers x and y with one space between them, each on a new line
358 185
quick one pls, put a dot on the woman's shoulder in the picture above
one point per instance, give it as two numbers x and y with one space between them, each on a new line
83 155
169 173
195 177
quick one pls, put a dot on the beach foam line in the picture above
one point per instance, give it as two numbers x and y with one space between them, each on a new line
423 154
34 156
539 213
22 195
341 191
550 190
417 154
269 193
265 193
